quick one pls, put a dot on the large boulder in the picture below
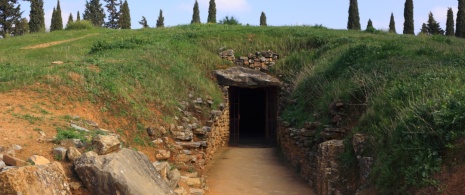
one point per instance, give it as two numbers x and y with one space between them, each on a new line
105 144
245 77
47 179
125 172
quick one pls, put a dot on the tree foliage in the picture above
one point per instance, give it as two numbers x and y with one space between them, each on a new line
161 20
263 19
212 12
230 21
460 23
113 14
450 22
70 19
21 27
125 16
10 13
370 27
78 16
143 22
36 16
354 17
94 13
57 20
408 16
196 14
433 27
392 24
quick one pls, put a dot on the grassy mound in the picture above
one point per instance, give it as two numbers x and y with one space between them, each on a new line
406 93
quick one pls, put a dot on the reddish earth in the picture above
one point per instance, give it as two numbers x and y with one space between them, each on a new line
258 171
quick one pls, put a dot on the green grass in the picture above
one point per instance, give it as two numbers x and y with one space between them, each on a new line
404 92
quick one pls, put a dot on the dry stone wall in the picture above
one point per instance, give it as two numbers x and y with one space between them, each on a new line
261 60
219 134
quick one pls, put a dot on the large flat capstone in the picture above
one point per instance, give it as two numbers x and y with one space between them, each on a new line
245 77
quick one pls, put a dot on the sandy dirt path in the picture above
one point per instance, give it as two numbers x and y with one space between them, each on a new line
49 44
252 171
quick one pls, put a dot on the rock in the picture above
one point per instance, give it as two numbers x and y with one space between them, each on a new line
59 153
174 176
189 145
2 149
151 131
192 175
37 179
16 147
312 125
72 142
162 130
364 164
38 160
13 161
73 154
336 119
245 77
78 127
195 191
104 144
222 106
203 143
184 135
181 191
192 182
327 166
186 120
2 165
124 172
162 168
182 158
163 155
1 156
359 143
188 152
157 141
75 185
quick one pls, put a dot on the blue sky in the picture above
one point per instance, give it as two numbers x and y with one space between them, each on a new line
330 13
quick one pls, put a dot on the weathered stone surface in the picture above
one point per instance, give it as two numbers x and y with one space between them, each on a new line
195 191
151 131
104 144
163 155
183 135
162 168
189 145
17 148
157 141
72 142
174 176
47 179
359 143
192 182
328 168
125 172
181 191
13 161
59 153
2 165
73 153
245 77
38 160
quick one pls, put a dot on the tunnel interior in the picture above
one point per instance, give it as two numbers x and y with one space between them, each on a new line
252 116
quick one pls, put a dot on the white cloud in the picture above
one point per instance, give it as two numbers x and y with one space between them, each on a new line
440 14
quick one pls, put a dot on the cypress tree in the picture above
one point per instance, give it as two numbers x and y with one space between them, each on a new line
10 13
196 14
450 22
408 16
36 15
58 18
21 27
70 19
460 23
113 14
370 27
143 22
392 24
424 29
212 12
161 20
94 13
125 16
78 16
433 26
354 18
54 20
263 19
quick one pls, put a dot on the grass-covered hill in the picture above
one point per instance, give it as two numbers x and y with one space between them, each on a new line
405 92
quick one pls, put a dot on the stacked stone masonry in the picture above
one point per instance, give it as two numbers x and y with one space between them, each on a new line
262 61
219 134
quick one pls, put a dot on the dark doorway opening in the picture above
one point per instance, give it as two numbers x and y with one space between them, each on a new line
253 116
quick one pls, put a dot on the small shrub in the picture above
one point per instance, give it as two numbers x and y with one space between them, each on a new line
79 25
69 134
230 21
125 43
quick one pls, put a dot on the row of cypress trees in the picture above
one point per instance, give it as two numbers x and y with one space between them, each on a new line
431 27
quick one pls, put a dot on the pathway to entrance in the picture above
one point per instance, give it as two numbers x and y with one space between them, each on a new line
257 171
